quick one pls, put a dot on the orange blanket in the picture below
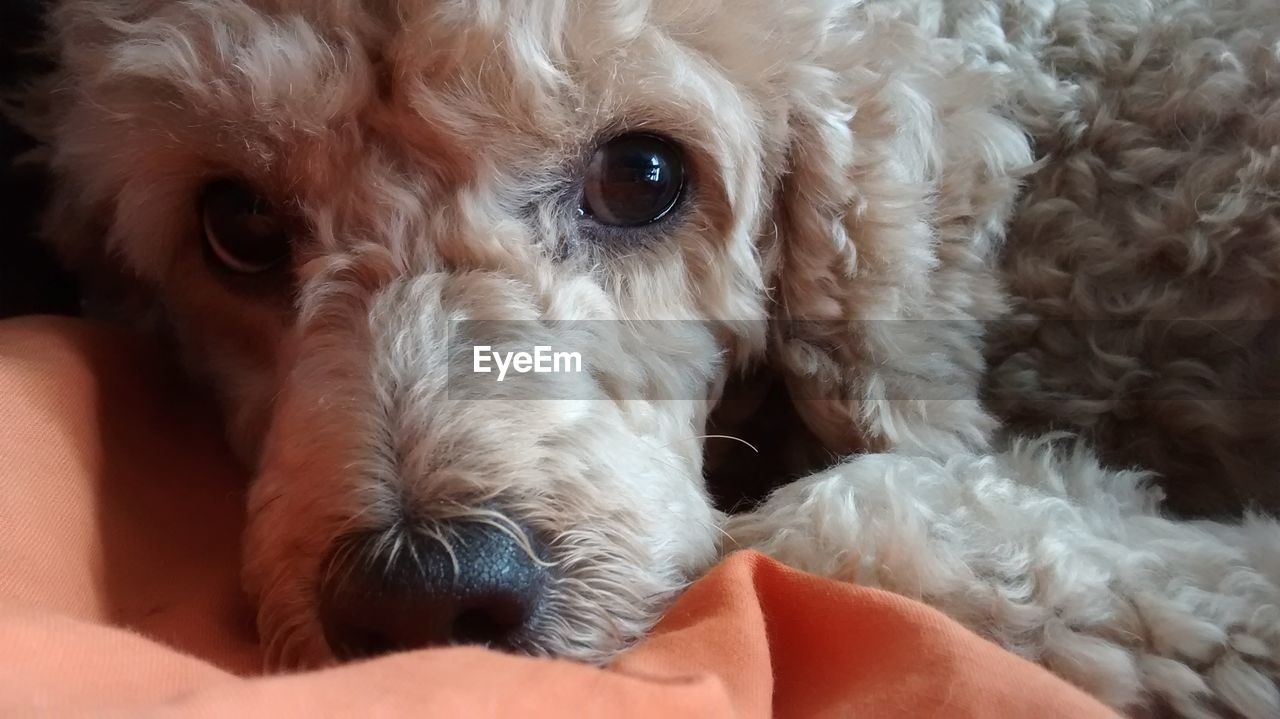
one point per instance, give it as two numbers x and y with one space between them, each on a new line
119 522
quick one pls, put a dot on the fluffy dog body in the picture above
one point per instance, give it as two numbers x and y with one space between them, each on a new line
869 181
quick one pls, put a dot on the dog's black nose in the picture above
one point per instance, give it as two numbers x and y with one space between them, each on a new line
476 584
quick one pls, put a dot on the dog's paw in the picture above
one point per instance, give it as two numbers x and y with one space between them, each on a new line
1057 559
1167 641
1200 613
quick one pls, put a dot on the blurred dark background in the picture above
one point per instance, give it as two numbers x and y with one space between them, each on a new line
30 281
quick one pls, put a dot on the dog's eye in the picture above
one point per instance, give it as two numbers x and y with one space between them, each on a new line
633 180
241 231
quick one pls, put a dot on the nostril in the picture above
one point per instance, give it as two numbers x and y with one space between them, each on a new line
491 621
481 587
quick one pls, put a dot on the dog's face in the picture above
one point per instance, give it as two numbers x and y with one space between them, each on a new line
334 202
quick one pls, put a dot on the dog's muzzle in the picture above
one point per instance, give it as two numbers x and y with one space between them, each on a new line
465 583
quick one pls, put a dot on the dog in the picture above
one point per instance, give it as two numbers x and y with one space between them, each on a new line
1000 257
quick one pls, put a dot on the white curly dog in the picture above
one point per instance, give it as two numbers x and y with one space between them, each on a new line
948 228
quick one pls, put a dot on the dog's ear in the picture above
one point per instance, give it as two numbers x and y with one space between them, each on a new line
37 100
901 176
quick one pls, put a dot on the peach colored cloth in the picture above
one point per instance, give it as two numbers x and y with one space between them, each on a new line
119 523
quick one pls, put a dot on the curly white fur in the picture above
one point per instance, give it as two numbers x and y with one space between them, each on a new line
1056 558
875 184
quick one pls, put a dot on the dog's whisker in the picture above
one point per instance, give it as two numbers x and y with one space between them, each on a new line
715 436
721 531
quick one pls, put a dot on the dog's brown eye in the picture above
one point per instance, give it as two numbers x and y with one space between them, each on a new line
241 231
633 180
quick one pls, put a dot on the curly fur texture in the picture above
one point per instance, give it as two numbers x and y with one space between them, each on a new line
1056 558
874 185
